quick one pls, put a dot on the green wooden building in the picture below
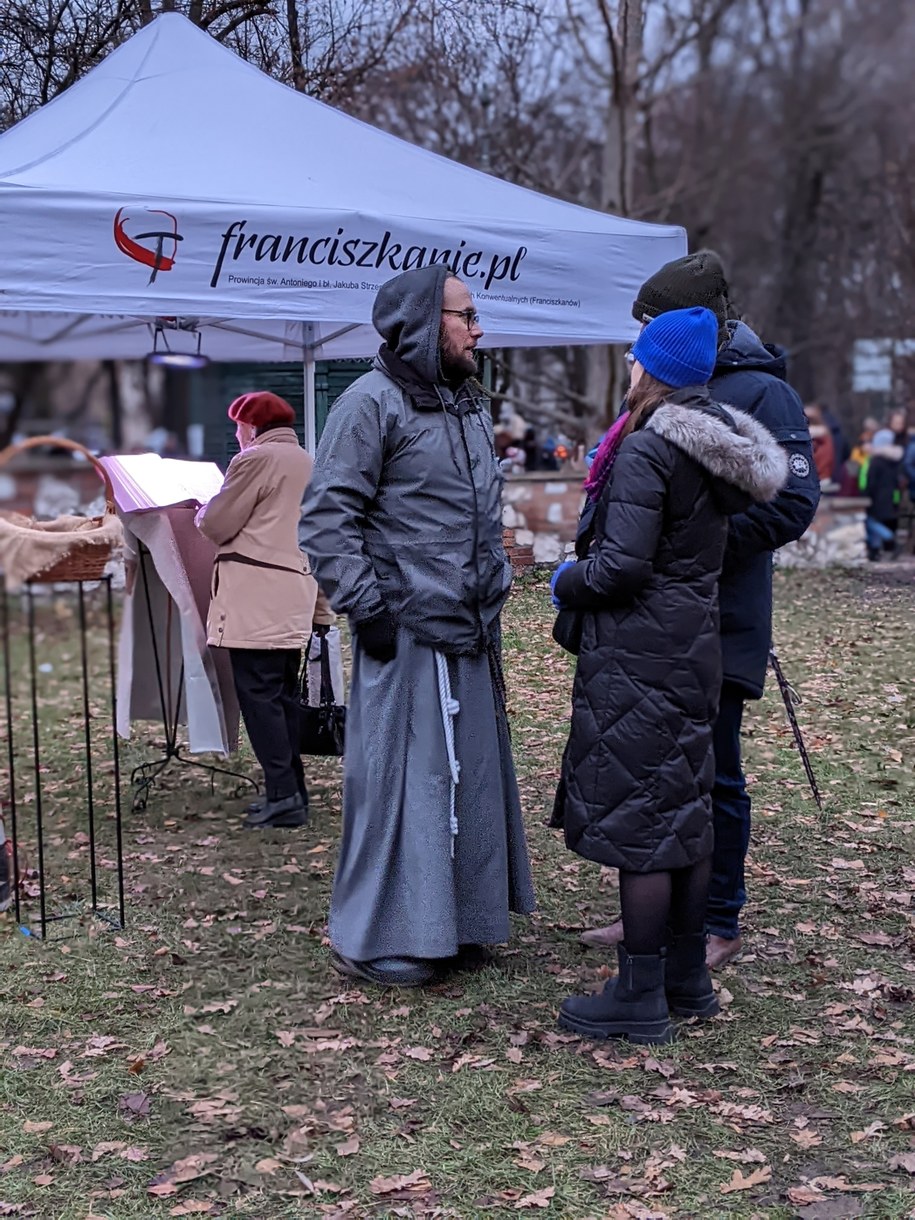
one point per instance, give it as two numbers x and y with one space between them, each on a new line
212 389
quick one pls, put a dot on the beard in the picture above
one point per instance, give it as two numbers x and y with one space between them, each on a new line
457 364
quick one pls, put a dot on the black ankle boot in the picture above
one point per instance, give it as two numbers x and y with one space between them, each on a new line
632 1005
286 811
687 981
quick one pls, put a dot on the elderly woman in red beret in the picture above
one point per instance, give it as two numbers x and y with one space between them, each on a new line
264 601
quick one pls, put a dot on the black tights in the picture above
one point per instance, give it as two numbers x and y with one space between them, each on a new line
652 903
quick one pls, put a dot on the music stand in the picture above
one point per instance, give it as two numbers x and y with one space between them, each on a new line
145 776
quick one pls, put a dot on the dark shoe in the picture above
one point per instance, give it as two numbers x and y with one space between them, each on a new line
603 938
719 951
686 978
468 959
632 1005
288 811
258 803
386 971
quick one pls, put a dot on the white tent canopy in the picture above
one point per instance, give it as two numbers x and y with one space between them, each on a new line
177 180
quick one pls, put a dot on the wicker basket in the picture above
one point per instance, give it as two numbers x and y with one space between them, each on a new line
80 555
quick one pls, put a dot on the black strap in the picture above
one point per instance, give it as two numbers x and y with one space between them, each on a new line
327 697
255 563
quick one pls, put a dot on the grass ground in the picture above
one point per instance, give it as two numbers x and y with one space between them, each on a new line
207 1061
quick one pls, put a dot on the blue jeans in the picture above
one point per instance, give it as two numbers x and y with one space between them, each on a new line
731 813
877 534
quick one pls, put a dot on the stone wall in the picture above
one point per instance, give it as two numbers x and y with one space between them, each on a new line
542 512
835 537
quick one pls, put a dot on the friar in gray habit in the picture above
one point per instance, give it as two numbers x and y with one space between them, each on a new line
402 523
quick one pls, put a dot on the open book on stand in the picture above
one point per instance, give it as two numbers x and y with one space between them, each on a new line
142 481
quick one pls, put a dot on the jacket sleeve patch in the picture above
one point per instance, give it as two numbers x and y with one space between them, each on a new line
799 465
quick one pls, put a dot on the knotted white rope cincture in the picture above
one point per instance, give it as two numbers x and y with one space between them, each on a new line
450 708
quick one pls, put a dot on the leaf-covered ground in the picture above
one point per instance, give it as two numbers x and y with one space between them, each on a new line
207 1061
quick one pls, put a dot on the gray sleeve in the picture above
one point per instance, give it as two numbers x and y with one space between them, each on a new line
343 485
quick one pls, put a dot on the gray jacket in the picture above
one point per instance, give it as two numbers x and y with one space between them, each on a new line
403 512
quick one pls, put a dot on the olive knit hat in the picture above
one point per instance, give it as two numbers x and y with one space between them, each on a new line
696 279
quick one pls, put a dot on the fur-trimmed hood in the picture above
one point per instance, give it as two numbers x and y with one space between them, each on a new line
728 443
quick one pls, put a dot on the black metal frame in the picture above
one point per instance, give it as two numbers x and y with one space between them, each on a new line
91 798
145 776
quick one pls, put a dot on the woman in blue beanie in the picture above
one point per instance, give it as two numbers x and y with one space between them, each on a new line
637 773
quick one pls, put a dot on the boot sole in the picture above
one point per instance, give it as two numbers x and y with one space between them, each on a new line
705 1007
648 1033
359 970
284 820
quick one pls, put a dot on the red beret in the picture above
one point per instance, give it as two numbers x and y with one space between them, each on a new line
260 409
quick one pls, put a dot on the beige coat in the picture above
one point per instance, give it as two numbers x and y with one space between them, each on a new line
262 593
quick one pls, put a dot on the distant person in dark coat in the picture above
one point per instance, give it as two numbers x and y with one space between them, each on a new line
840 446
884 470
638 771
751 376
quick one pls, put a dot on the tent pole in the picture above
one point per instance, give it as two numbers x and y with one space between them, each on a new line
308 373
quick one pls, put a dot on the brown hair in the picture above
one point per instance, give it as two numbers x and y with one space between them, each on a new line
643 401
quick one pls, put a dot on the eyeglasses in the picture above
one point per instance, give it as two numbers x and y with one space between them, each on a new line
470 316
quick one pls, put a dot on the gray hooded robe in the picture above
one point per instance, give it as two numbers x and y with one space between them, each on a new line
403 514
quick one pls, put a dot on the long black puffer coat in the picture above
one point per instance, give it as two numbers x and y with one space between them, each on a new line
638 769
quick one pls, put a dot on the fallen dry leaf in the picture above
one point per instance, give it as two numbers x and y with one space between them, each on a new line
749 1156
421 1053
540 1198
868 1133
416 1180
840 1183
806 1138
550 1139
68 1153
268 1164
801 1196
349 1148
185 1170
739 1182
531 1163
905 1160
32 1128
106 1147
134 1106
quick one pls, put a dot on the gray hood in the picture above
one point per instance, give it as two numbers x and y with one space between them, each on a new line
407 315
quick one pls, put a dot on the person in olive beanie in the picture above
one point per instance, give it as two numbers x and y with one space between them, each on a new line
697 279
751 376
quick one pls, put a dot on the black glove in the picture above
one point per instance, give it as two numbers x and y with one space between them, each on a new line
378 637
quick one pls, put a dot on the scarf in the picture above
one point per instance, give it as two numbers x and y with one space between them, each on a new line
601 467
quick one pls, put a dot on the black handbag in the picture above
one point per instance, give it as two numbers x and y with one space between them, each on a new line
322 729
567 630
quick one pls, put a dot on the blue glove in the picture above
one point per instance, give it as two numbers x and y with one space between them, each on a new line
569 563
590 456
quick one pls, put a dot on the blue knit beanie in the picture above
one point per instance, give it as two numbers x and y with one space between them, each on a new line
680 347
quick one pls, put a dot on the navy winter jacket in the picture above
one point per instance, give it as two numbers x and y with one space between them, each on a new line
750 375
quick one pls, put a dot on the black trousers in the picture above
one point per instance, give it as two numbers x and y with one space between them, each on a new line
266 681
